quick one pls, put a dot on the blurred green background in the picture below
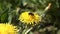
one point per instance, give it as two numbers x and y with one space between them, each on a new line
10 10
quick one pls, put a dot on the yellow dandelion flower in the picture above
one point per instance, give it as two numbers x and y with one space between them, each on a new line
29 18
7 29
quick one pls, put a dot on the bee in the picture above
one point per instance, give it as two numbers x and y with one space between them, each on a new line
31 14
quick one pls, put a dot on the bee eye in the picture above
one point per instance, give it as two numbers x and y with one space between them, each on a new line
31 14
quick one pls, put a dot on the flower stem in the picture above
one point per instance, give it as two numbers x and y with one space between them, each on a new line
28 30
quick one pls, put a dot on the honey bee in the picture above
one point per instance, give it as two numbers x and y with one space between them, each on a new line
31 14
